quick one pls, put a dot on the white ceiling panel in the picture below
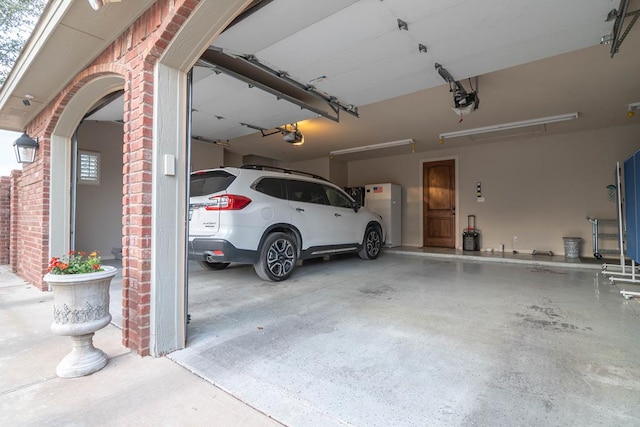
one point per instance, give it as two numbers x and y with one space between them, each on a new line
200 73
392 88
411 10
380 74
283 117
216 89
387 47
277 21
334 34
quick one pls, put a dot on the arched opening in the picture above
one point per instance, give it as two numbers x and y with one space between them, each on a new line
61 157
80 210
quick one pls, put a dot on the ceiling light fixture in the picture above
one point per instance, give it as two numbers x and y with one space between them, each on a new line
506 126
374 147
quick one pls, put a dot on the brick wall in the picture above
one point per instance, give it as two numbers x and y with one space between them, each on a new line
30 222
5 218
16 179
133 57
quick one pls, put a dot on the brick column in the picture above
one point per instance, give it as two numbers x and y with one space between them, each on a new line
16 178
136 210
5 218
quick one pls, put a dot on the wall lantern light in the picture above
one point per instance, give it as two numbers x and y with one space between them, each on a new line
25 148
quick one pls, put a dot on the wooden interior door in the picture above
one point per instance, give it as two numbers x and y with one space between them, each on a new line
439 203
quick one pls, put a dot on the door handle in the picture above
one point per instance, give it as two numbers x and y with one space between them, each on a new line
300 209
337 215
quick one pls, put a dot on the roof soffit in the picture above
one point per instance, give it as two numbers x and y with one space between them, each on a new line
67 37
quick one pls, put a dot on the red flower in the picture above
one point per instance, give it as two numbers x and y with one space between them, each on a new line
75 262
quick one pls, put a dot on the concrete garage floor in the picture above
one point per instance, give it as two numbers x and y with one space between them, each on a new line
412 340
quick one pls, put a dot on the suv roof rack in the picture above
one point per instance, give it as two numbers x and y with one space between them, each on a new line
283 170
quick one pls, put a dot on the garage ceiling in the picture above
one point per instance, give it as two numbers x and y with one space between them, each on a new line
371 54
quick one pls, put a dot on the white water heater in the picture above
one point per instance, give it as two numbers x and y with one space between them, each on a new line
386 200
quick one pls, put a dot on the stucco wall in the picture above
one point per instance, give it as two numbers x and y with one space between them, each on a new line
318 167
339 172
205 155
537 189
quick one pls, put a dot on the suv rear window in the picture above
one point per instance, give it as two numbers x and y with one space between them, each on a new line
203 183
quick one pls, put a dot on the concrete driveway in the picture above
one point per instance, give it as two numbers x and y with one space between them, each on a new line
408 340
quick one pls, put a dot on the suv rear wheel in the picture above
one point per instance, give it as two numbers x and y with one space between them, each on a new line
371 244
278 258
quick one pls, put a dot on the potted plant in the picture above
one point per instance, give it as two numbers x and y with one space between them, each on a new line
80 286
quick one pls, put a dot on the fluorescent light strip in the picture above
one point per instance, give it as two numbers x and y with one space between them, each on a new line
512 125
372 147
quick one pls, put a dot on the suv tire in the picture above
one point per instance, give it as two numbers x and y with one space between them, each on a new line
278 258
371 244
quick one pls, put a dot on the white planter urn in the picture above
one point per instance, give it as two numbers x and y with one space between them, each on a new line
80 308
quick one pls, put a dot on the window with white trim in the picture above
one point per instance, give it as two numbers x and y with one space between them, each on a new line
89 167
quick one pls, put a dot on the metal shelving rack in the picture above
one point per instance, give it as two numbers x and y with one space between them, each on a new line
622 272
601 230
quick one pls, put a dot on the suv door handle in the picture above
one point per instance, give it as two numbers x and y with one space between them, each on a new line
300 209
337 215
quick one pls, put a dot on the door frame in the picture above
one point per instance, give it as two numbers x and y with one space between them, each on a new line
458 240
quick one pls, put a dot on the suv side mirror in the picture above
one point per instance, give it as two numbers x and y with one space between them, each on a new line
356 207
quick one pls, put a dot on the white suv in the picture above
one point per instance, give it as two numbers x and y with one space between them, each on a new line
273 217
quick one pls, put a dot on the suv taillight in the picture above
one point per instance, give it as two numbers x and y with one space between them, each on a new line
230 202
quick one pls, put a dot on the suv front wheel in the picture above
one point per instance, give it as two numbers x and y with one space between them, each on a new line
371 244
278 258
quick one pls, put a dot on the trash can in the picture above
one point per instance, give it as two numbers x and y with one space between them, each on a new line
572 247
470 235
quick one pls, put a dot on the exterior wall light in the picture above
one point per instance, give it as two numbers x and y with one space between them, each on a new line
25 148
97 4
